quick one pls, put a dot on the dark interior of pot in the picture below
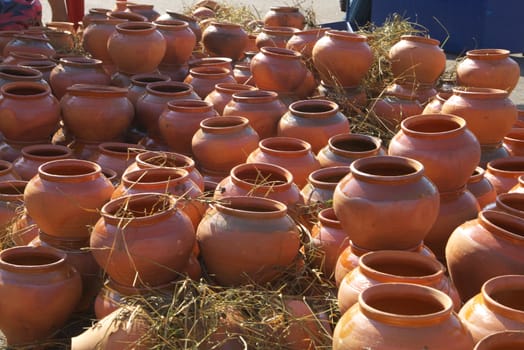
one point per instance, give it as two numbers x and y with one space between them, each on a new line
387 169
31 259
355 145
510 298
434 126
261 177
12 188
408 305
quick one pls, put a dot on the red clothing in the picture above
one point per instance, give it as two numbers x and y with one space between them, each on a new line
20 14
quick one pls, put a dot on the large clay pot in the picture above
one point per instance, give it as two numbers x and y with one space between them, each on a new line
117 156
434 106
503 173
223 94
225 40
330 58
191 21
274 36
94 13
12 73
227 232
139 83
75 186
392 110
314 121
422 92
35 155
511 340
146 10
321 185
231 137
432 139
31 44
481 188
180 41
402 316
205 78
96 35
344 149
122 14
136 47
28 112
417 58
488 68
303 41
142 239
36 278
390 266
44 67
495 308
386 187
284 16
263 109
495 240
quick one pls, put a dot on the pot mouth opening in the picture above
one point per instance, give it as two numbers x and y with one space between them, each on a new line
12 188
252 205
138 206
429 125
25 90
32 259
352 144
313 108
69 167
163 159
224 122
507 165
405 305
19 72
170 88
149 79
506 292
259 177
512 200
387 169
138 26
331 176
285 144
155 175
511 224
401 264
48 152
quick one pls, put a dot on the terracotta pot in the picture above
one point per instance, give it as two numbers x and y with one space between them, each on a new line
77 70
133 37
290 153
274 36
277 69
321 185
11 205
142 239
231 136
417 58
145 10
75 186
139 83
5 37
392 110
180 120
44 67
223 94
503 173
488 68
519 187
35 155
514 142
489 113
202 13
12 73
481 188
344 149
31 44
204 79
386 186
28 112
407 315
390 266
330 53
226 233
191 21
354 97
303 41
180 40
495 240
263 109
242 74
314 121
430 138
96 35
8 172
61 40
94 13
511 340
36 278
130 16
96 113
221 62
15 57
225 39
285 16
434 106
117 156
175 182
511 203
495 308
422 92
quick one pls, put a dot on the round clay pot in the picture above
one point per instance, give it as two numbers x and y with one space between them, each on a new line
36 278
422 92
407 315
96 113
94 13
28 112
225 40
354 97
495 240
145 10
303 41
330 58
344 149
386 187
130 16
489 113
314 121
274 36
180 120
392 110
31 44
417 58
511 203
15 57
142 239
77 70
495 308
434 106
511 340
488 68
242 74
191 21
284 16
519 187
44 67
503 173
8 172
131 38
263 109
75 186
139 83
514 142
481 187
180 41
12 73
117 156
203 13
95 37
230 136
430 139
222 62
293 154
5 37
223 94
11 204
226 234
60 40
205 78
35 155
321 185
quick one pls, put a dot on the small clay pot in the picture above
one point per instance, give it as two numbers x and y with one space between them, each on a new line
503 173
274 36
286 16
117 156
35 155
344 149
303 41
514 142
139 83
205 78
225 40
180 41
146 10
481 188
223 94
95 37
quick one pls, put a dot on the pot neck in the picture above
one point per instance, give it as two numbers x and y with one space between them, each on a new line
500 294
502 225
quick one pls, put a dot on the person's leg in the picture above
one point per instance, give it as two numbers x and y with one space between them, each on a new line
58 10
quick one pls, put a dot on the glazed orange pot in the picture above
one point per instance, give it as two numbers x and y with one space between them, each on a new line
481 188
223 94
225 39
35 155
303 41
343 149
287 16
274 36
503 173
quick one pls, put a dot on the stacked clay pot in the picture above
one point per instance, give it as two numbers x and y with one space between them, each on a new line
35 155
481 187
503 173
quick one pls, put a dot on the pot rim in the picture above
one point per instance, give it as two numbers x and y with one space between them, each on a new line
183 88
420 39
495 284
268 167
316 177
44 89
58 256
487 54
269 208
409 124
224 124
302 147
114 205
13 191
91 170
332 141
331 108
485 218
281 52
479 92
27 151
417 169
143 158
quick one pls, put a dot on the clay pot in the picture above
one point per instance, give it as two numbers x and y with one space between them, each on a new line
75 186
489 113
133 37
15 57
392 110
226 234
231 136
8 172
495 240
386 186
61 41
303 41
28 112
511 203
180 41
130 16
44 67
180 120
422 92
145 10
417 58
330 53
242 74
139 83
314 121
31 44
503 173
96 113
96 35
514 142
501 340
434 106
142 239
293 154
488 68
191 21
263 109
202 13
36 278
519 187
11 204
205 78
274 36
321 185
77 70
117 156
495 308
284 16
344 149
12 73
390 266
5 37
481 188
407 315
35 155
221 62
223 94
94 13
354 97
225 40
430 139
